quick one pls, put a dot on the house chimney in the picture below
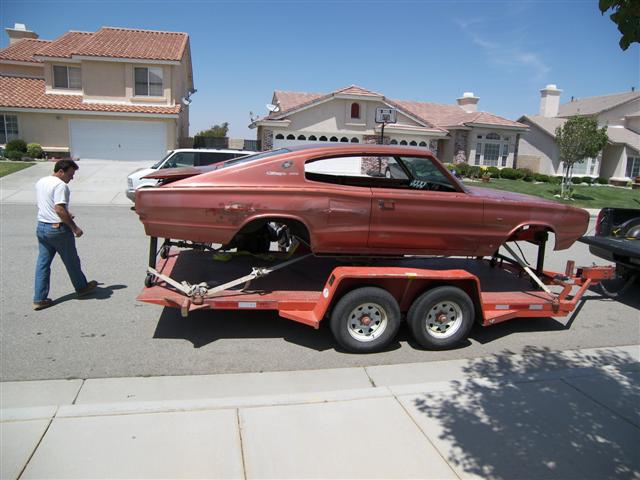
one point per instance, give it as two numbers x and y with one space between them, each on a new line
549 101
468 102
18 32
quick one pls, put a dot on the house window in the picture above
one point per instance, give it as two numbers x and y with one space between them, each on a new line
344 139
492 150
393 142
291 137
8 128
279 136
148 81
312 138
66 77
633 167
323 138
355 110
333 139
355 140
301 137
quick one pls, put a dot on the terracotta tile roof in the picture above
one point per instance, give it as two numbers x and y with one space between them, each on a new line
595 105
432 114
23 50
66 45
138 44
22 92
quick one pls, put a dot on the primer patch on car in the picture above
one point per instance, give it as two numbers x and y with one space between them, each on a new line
287 164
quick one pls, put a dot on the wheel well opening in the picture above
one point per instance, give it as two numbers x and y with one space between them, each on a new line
532 233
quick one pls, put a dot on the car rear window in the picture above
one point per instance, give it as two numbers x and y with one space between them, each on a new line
207 158
251 158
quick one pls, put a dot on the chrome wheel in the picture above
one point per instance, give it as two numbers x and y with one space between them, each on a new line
367 322
444 319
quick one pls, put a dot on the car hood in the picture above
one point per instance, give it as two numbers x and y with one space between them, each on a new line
490 193
141 172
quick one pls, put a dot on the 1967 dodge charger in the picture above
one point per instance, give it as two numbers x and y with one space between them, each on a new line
347 199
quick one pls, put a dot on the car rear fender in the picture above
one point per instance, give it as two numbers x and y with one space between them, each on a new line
527 231
298 226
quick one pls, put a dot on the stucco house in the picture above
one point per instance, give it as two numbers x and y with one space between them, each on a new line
116 94
620 112
455 133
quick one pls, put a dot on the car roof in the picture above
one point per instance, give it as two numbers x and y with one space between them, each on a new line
214 150
358 147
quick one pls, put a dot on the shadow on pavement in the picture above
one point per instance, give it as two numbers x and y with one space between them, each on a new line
581 426
204 327
100 293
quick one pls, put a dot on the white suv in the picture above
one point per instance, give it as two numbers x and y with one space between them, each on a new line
183 157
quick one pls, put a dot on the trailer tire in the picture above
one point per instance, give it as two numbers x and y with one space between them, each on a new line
365 320
441 318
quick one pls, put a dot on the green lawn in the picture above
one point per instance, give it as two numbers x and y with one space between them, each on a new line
9 167
584 196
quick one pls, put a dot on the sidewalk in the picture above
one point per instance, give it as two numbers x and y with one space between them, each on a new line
543 414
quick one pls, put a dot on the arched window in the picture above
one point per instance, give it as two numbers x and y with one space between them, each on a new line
493 136
323 138
355 110
355 140
393 142
312 138
422 144
279 136
403 142
333 139
492 151
290 137
413 143
301 137
344 139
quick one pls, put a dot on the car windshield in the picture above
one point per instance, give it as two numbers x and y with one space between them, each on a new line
250 158
157 164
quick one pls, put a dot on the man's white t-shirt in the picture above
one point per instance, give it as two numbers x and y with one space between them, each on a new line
50 191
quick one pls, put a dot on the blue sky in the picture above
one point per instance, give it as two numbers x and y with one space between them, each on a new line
418 50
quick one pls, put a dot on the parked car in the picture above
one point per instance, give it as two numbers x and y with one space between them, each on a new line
183 157
339 200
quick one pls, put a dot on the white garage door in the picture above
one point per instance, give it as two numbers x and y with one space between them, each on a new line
117 140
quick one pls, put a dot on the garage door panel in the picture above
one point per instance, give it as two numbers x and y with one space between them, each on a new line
117 140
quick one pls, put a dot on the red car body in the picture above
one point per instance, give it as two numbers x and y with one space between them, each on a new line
428 213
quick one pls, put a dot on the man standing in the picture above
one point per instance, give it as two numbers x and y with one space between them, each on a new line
55 232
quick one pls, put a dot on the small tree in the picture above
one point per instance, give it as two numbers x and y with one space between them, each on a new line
215 131
626 15
579 138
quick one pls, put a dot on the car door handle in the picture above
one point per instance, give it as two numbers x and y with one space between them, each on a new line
386 204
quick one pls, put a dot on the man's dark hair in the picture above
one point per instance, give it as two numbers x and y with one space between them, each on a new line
65 165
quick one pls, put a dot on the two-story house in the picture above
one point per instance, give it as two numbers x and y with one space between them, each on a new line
456 133
619 161
115 94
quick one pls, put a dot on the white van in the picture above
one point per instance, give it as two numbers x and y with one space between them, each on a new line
182 157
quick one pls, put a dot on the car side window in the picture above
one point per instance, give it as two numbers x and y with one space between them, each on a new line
426 175
181 159
208 158
357 171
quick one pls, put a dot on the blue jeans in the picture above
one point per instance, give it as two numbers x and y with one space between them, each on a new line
51 241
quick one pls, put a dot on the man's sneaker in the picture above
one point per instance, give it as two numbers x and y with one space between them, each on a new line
42 304
88 289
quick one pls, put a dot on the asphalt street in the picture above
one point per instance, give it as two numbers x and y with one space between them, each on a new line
112 335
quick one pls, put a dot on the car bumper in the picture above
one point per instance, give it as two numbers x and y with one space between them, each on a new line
131 195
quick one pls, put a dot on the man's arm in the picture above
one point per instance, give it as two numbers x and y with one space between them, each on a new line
67 219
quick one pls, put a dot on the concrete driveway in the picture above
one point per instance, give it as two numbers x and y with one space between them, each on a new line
97 182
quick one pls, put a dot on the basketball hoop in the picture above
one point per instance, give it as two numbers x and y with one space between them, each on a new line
384 116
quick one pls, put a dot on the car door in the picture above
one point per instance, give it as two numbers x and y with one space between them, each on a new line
427 216
337 205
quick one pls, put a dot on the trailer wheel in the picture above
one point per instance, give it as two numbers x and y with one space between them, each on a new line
365 320
164 251
149 279
441 318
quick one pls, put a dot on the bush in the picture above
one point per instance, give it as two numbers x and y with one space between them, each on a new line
14 154
494 172
462 168
602 181
541 177
34 150
555 180
16 145
511 173
527 174
474 171
578 180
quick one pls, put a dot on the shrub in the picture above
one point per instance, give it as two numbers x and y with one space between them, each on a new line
555 180
474 171
34 150
494 172
14 154
541 177
510 173
527 174
602 180
577 180
462 168
16 145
